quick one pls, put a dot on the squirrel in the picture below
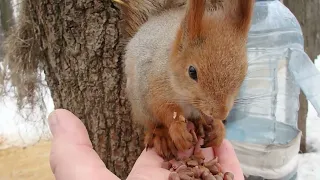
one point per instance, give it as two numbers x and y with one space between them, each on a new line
188 58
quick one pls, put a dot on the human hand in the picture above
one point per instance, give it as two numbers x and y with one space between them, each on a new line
73 158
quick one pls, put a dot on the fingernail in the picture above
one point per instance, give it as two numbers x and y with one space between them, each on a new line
53 122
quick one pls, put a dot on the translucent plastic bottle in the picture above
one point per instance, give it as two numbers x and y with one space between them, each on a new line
263 123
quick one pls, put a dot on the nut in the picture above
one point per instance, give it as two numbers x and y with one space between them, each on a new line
174 176
193 167
181 168
196 171
218 177
228 176
176 164
219 167
211 162
205 173
213 169
185 176
192 163
209 177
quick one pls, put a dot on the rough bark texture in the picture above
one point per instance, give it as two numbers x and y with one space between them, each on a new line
83 48
308 13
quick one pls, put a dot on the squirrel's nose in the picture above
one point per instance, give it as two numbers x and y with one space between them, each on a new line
220 113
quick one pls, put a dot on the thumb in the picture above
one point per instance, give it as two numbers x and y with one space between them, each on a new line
228 159
72 155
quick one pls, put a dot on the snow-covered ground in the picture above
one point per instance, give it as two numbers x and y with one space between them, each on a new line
309 163
14 130
17 129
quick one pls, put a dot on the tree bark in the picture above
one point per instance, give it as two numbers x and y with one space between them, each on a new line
6 21
83 47
307 13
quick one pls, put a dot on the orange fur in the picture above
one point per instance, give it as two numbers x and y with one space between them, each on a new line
214 42
194 18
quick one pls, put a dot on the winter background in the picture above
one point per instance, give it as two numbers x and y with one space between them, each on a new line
16 131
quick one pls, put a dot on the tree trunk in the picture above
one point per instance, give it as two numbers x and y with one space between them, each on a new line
6 15
307 13
6 21
82 44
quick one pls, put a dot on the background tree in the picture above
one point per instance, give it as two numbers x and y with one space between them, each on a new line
6 15
6 21
307 13
79 46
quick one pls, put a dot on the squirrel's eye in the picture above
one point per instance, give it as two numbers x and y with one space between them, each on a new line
193 73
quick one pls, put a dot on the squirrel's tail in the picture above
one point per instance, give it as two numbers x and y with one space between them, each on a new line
137 12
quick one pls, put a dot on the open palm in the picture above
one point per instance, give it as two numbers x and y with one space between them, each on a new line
73 158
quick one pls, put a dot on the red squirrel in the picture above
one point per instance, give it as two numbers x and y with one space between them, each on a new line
189 58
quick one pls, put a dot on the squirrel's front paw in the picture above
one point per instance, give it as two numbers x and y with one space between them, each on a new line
180 135
214 134
159 139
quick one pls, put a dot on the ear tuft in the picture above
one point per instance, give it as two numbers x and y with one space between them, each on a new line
241 11
193 20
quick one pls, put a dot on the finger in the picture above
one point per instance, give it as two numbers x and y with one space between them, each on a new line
148 166
72 156
207 153
228 159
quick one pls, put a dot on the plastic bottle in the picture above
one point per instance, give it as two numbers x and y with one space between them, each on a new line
263 123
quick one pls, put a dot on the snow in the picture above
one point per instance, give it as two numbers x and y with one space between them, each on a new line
18 129
309 163
14 129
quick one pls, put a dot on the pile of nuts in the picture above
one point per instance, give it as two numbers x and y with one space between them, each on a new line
194 167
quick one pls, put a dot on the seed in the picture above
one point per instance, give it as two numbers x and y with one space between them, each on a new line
228 176
174 176
213 169
218 177
176 164
192 163
185 176
209 177
187 172
181 168
196 171
205 174
211 162
219 167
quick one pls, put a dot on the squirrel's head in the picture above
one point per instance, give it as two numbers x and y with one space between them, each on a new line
209 59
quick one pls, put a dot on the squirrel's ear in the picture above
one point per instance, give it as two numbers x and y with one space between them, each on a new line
190 29
240 11
193 19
